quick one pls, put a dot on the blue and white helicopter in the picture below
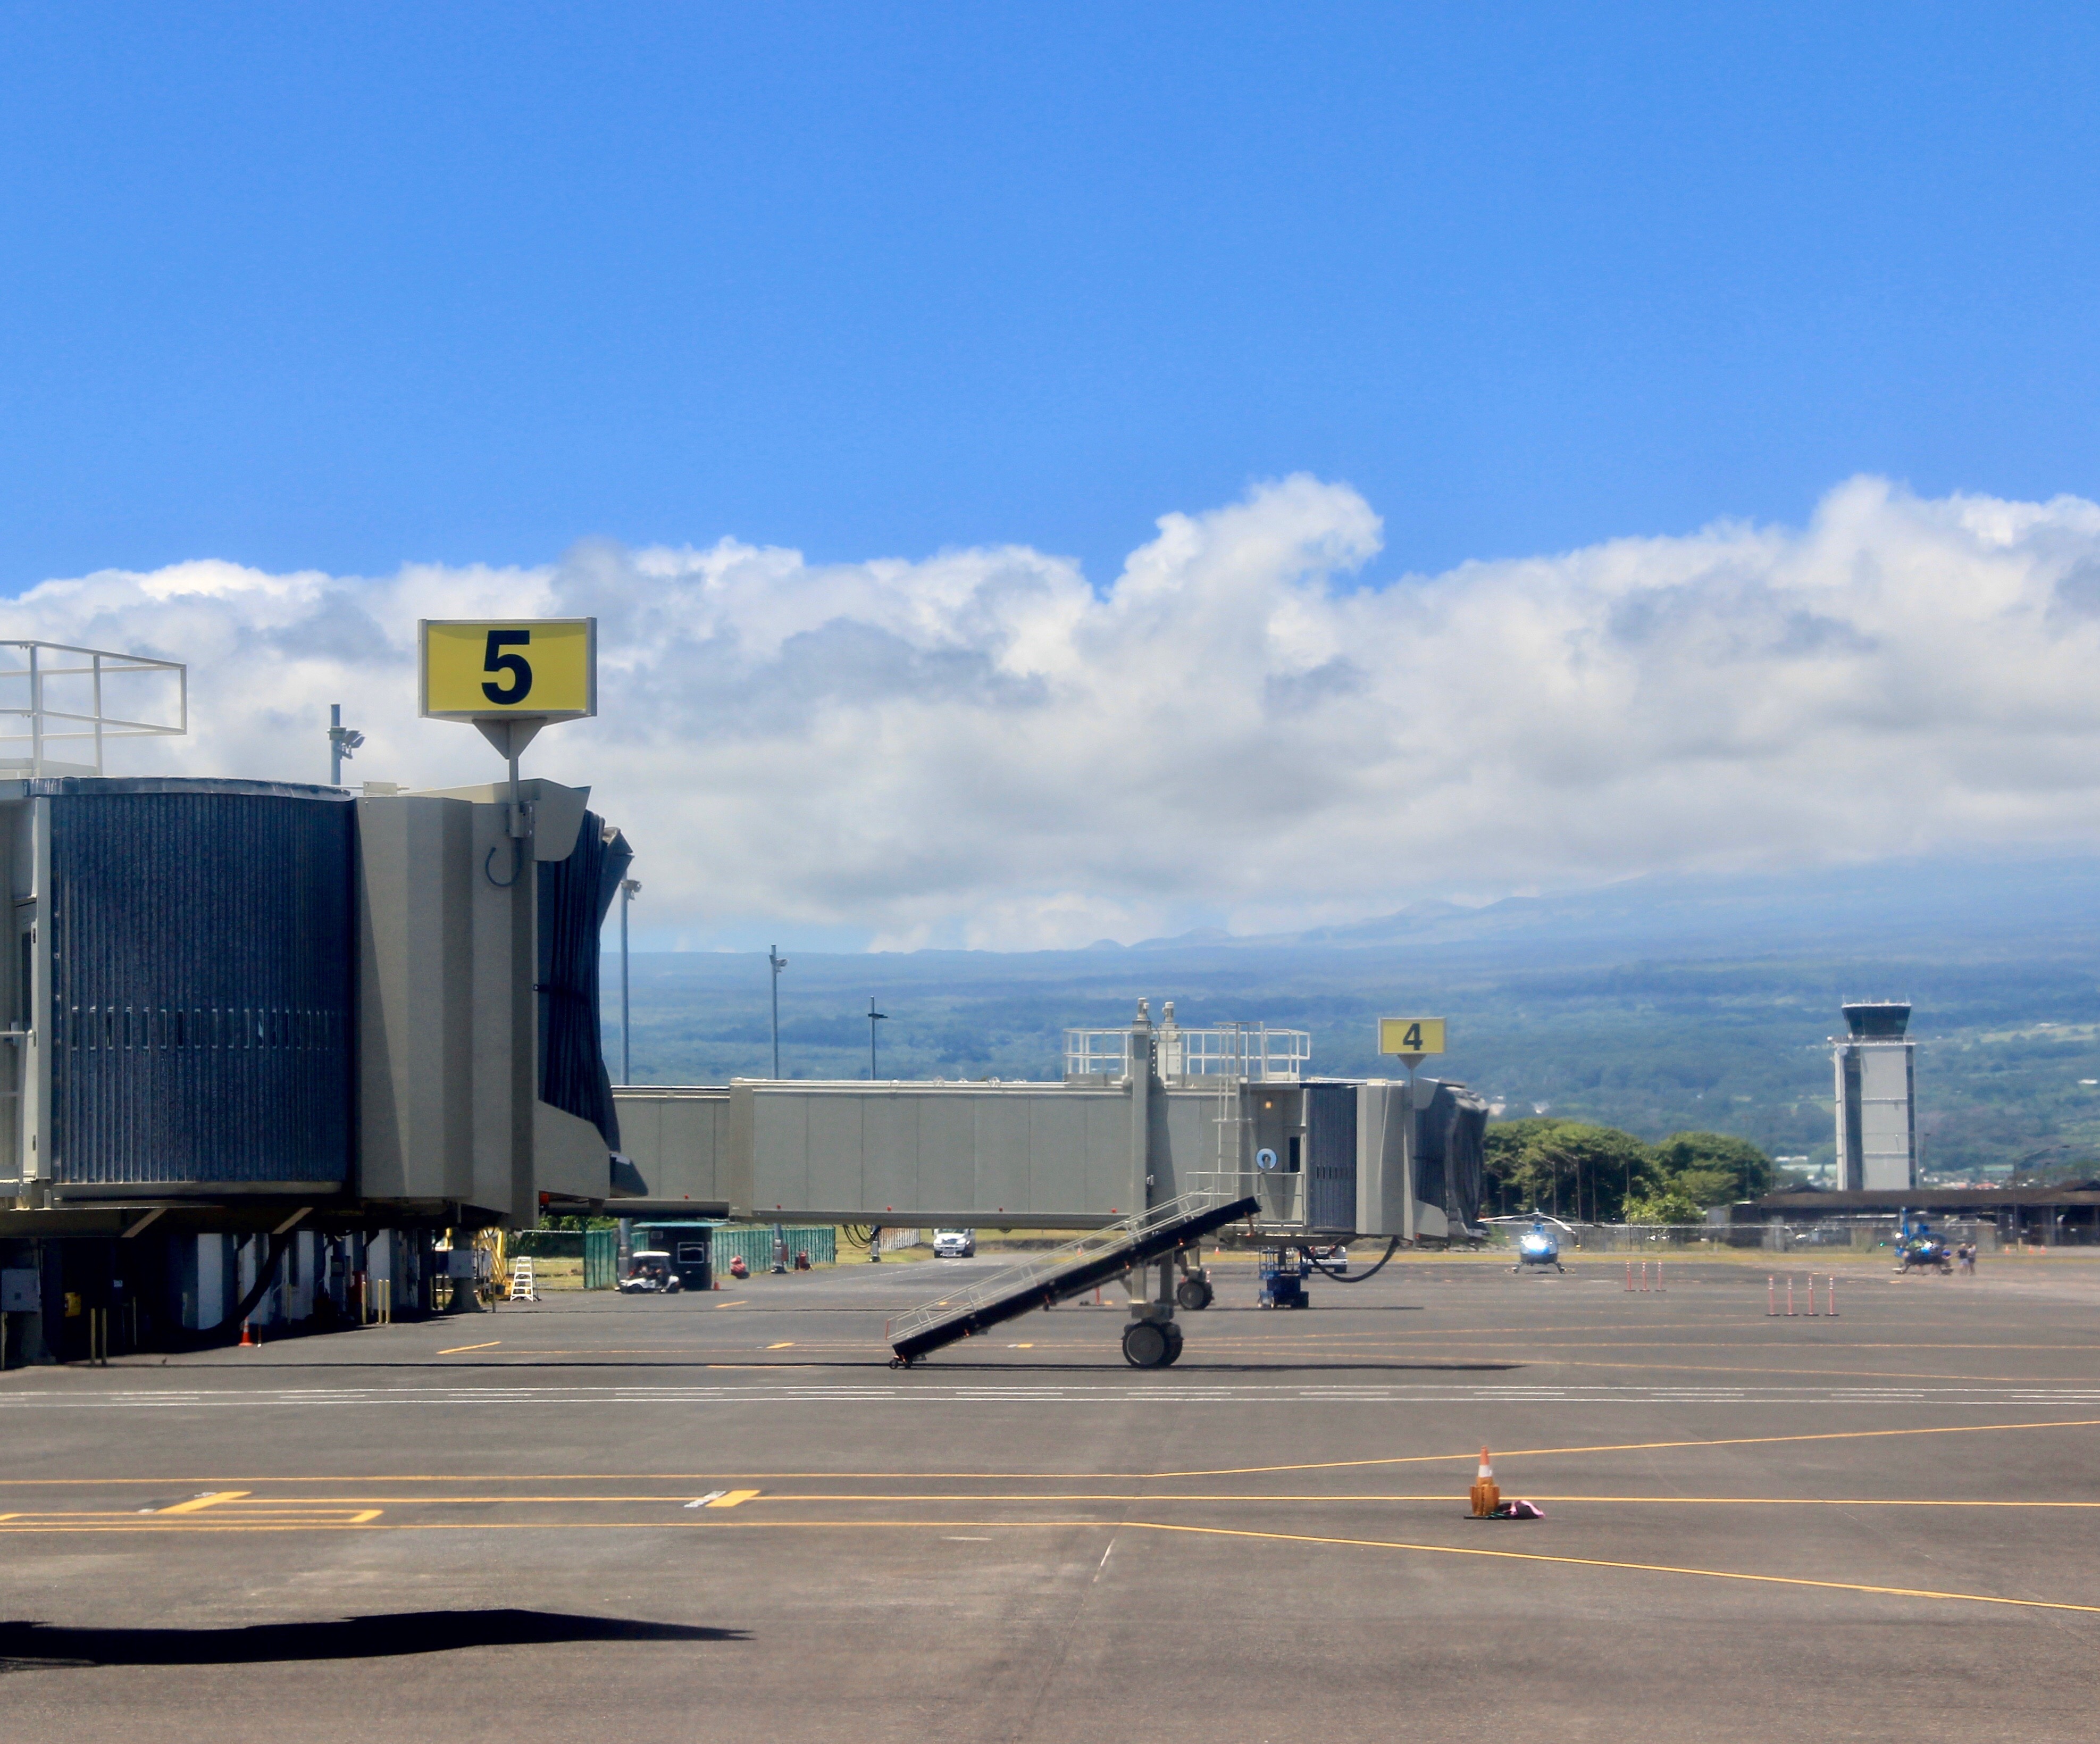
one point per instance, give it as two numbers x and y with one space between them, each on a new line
1538 1246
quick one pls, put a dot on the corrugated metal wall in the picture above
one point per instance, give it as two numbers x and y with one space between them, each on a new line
1330 1163
820 1241
202 946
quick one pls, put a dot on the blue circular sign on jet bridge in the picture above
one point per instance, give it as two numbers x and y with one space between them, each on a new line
1264 1158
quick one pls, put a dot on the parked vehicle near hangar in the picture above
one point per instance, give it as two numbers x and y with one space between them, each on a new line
649 1271
954 1244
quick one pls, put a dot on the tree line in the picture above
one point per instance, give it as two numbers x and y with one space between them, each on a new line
1598 1174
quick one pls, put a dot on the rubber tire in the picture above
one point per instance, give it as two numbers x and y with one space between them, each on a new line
1174 1343
1193 1294
1144 1344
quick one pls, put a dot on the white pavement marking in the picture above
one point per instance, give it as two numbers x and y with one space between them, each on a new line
1136 1391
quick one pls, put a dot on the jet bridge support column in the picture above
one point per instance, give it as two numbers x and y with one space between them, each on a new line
1140 1067
1151 1338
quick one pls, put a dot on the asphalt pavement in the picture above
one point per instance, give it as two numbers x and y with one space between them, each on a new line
725 1515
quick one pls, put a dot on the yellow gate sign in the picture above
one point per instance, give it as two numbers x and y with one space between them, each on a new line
484 670
1411 1035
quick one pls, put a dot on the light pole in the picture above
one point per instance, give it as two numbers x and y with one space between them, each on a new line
342 740
874 1017
777 962
629 888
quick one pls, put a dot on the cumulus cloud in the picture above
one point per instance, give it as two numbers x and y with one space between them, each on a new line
983 749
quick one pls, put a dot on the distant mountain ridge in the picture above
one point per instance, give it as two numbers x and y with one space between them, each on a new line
1950 901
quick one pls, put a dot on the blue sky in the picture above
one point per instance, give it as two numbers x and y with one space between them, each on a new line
341 287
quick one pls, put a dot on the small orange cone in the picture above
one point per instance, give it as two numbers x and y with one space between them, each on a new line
248 1338
1486 1496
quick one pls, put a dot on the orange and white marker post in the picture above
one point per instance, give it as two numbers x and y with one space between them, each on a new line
1831 1294
1486 1496
1789 1298
1771 1295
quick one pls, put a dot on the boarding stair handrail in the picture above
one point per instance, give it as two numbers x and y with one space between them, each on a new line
1043 1279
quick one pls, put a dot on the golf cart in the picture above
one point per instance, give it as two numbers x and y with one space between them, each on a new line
649 1271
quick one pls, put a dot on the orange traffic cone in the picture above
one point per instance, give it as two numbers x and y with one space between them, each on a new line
248 1338
1487 1497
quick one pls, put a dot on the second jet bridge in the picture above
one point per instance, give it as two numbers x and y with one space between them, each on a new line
1144 1116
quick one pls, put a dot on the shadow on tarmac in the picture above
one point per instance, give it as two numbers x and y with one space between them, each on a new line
37 1646
525 1362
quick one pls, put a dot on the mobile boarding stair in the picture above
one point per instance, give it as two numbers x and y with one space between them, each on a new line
1151 1341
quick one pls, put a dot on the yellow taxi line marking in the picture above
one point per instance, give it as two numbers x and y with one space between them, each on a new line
457 1349
1242 1471
1801 1373
729 1498
276 1507
739 1302
1149 1525
1250 1471
197 1504
1641 1568
1736 1440
784 1344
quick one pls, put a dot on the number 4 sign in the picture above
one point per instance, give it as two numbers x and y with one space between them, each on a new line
543 668
1410 1038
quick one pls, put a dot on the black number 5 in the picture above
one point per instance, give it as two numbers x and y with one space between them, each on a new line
513 666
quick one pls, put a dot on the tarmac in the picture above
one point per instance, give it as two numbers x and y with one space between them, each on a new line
723 1515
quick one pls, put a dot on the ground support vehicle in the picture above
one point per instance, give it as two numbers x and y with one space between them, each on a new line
1144 1252
650 1272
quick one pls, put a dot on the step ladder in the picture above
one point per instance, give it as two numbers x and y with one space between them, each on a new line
522 1288
1043 1280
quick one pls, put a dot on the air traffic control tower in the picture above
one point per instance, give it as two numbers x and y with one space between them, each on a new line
1876 1098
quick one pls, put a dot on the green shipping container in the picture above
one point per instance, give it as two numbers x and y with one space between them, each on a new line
754 1241
601 1259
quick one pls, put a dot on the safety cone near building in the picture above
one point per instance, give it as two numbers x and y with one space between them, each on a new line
1486 1496
248 1338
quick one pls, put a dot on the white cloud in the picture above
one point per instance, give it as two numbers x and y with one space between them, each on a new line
981 749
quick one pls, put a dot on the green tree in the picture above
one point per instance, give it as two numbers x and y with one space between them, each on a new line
1704 1186
1574 1170
1668 1206
1749 1171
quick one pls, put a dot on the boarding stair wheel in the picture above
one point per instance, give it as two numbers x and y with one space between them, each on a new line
1151 1344
1194 1294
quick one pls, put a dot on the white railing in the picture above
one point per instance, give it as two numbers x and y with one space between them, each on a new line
1241 1052
1041 1271
1096 1053
78 677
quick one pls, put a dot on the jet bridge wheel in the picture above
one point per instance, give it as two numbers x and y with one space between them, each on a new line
1194 1293
1146 1344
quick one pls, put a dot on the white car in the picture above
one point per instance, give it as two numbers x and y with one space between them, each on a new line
954 1244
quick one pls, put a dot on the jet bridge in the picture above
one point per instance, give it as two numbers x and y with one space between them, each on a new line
1152 1129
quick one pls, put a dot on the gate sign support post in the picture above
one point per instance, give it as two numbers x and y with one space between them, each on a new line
509 677
1412 1041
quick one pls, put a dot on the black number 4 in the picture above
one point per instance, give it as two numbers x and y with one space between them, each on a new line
1411 1039
513 666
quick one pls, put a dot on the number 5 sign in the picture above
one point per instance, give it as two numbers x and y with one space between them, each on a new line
543 668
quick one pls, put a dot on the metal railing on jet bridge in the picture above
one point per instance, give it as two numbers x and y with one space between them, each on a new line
1065 1272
